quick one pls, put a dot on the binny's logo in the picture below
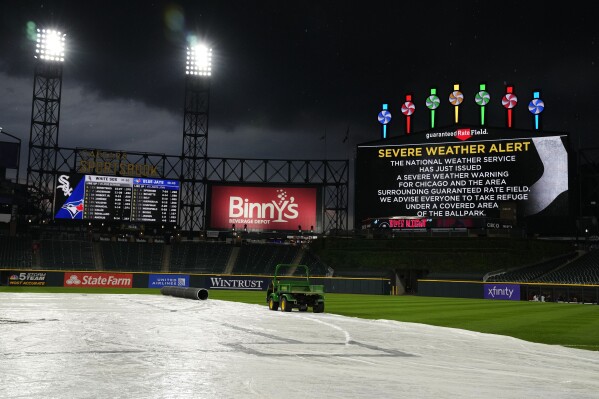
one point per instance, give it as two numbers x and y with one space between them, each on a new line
280 210
65 185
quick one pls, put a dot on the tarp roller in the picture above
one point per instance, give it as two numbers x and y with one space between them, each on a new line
185 292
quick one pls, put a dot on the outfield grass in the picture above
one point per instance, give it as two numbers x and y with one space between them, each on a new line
571 325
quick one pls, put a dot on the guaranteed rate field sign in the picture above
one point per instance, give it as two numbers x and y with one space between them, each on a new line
463 173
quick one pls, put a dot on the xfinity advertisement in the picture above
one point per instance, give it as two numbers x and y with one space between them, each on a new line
509 292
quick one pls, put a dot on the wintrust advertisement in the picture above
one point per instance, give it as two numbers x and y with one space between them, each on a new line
98 280
264 208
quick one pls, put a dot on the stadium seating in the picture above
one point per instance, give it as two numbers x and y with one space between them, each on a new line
57 254
317 267
199 256
15 252
262 258
530 261
582 270
533 272
131 256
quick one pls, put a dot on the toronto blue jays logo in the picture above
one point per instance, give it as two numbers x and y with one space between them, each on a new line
74 208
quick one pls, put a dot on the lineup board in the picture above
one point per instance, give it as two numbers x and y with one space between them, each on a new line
116 198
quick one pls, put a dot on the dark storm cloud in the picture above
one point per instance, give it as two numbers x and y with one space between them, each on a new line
286 73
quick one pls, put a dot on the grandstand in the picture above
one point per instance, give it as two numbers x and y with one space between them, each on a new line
16 252
262 259
199 256
56 254
131 256
498 259
581 270
552 269
531 273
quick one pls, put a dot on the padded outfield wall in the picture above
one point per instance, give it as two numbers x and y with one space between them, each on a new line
509 291
87 279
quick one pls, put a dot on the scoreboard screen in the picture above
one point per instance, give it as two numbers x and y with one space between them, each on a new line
116 198
464 173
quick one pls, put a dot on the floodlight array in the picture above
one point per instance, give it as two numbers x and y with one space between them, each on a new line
199 61
50 45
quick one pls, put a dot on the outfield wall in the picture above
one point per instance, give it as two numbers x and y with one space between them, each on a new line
509 291
87 279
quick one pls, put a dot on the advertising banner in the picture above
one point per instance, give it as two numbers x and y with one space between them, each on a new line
502 291
168 280
98 280
236 283
28 279
264 208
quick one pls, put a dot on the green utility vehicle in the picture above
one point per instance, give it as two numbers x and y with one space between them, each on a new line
294 292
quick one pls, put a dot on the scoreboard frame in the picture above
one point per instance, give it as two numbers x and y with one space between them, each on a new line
471 175
293 205
118 199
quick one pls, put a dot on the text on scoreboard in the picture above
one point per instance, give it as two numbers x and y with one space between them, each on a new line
116 198
463 179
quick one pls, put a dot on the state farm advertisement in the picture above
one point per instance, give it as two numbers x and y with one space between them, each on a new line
264 208
98 280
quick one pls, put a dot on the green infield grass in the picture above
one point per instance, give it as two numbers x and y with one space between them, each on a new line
570 325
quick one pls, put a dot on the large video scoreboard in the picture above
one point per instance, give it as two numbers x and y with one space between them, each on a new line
463 173
264 207
116 198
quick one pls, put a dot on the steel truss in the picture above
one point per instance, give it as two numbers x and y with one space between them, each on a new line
194 152
43 136
331 175
192 168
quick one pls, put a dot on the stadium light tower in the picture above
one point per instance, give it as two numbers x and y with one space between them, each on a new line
50 45
45 113
195 137
199 60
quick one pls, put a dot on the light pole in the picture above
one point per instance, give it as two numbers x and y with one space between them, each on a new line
194 153
45 114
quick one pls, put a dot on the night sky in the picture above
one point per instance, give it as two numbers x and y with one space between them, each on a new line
285 74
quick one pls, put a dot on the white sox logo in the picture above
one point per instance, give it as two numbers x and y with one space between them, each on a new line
65 186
